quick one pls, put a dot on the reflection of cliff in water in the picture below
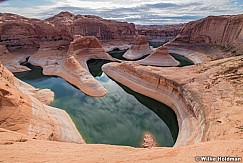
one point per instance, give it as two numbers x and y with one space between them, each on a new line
163 111
95 65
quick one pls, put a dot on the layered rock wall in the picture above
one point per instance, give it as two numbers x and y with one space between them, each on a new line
17 32
160 57
87 25
207 102
21 111
225 32
190 116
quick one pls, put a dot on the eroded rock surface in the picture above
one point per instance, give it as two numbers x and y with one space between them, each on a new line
86 48
208 102
72 66
138 49
160 57
12 62
88 25
21 111
212 37
18 32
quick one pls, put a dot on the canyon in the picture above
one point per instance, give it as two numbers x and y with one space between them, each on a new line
207 97
159 33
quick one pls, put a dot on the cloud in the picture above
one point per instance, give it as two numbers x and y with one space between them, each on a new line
137 11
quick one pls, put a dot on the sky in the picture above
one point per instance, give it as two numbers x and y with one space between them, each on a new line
153 12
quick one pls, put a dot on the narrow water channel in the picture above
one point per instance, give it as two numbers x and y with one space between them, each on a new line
122 117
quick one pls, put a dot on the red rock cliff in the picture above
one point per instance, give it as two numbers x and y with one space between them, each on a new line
87 25
223 31
20 32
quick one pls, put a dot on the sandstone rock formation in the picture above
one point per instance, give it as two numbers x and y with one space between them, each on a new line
72 65
11 61
86 48
138 49
200 117
45 96
20 111
215 36
221 125
195 55
160 57
87 25
207 98
18 32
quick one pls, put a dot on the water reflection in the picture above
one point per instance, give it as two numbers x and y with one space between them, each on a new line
120 118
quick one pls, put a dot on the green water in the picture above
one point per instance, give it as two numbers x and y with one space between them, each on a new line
118 54
120 118
183 60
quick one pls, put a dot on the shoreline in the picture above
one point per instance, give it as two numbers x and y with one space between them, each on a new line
162 90
189 96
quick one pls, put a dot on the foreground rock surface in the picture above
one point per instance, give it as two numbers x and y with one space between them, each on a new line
160 57
26 150
21 111
139 48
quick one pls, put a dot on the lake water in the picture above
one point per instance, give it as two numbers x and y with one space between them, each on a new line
122 117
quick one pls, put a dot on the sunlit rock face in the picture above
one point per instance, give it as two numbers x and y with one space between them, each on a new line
223 31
